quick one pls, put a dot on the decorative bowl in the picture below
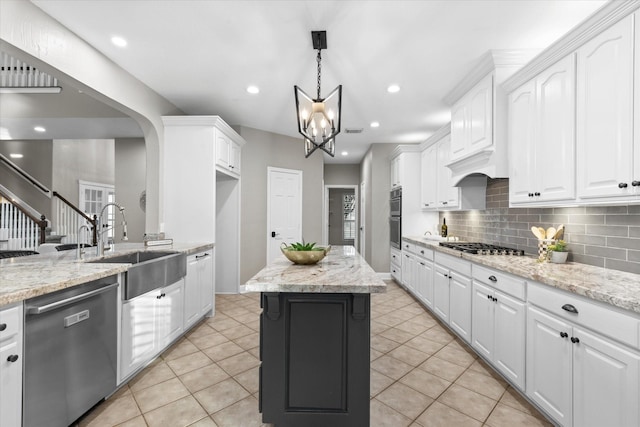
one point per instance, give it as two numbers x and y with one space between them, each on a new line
305 257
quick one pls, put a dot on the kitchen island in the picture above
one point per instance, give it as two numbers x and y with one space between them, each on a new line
314 340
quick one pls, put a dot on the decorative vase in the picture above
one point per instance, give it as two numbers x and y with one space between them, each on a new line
543 248
558 257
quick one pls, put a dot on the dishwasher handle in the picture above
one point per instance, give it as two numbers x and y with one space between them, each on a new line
34 309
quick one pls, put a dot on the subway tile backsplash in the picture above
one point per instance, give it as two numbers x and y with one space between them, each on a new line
604 236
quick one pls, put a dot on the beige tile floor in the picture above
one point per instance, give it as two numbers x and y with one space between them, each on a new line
421 375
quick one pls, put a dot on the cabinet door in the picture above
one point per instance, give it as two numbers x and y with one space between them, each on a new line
459 130
555 139
448 195
605 382
522 147
170 314
139 332
408 266
223 146
191 292
10 383
206 279
441 293
480 116
482 322
605 113
510 333
636 134
234 158
549 365
424 281
429 174
460 305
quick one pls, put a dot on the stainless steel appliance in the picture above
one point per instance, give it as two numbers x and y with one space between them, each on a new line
395 219
70 352
481 248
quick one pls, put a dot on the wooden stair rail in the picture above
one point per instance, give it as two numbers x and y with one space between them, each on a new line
23 175
42 222
93 221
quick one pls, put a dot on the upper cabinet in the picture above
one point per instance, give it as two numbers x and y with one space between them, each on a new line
397 171
429 177
471 120
227 154
605 114
541 136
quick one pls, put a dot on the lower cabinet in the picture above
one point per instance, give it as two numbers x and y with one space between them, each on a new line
452 293
441 293
11 330
150 323
396 264
198 287
408 267
424 280
579 377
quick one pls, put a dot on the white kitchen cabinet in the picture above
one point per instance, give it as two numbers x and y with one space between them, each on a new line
397 169
578 369
408 267
452 293
635 183
441 293
429 177
198 287
396 265
11 331
471 120
605 155
424 281
150 322
541 136
448 195
460 305
227 154
498 322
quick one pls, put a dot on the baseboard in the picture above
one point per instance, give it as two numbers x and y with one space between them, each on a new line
384 276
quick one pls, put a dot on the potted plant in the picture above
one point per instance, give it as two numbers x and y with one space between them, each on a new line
558 252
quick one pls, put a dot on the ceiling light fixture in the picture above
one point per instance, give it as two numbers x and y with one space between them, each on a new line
319 119
375 124
345 153
39 129
118 41
393 89
253 90
16 155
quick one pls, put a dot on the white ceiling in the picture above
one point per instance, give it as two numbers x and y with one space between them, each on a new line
201 55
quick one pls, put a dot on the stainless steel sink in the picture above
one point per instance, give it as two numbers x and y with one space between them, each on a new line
149 270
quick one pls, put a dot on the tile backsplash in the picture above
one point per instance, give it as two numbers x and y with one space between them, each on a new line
604 236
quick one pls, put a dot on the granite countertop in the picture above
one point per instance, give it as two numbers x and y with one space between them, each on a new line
614 287
343 270
30 276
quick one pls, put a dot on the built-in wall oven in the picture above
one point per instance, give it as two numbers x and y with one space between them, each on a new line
395 218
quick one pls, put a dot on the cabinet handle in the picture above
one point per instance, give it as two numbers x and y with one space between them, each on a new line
12 358
635 183
536 194
445 275
202 256
622 185
444 203
563 335
161 295
570 308
575 340
422 263
393 256
3 326
426 204
489 297
493 278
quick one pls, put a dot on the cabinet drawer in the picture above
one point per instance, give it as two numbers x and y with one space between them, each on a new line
504 282
9 322
459 265
408 247
591 314
396 257
424 253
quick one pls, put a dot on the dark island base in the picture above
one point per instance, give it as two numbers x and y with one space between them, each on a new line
314 350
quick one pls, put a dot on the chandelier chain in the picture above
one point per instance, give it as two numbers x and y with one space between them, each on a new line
319 58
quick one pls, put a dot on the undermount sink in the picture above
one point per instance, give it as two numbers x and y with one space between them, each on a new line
149 270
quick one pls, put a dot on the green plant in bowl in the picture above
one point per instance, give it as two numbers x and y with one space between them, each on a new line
557 252
558 246
304 253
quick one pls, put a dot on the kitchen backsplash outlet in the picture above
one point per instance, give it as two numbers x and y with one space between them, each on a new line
604 236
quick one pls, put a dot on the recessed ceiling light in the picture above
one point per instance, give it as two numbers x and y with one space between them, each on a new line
344 153
253 89
393 89
375 124
16 155
39 129
118 41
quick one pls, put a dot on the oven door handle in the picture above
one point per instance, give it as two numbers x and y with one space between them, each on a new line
35 309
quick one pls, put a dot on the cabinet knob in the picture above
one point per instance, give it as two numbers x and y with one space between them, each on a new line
445 275
575 340
422 252
494 299
570 308
493 278
530 194
444 203
635 183
563 335
12 358
488 297
536 194
3 326
622 185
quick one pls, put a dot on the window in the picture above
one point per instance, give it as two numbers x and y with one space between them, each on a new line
93 197
349 217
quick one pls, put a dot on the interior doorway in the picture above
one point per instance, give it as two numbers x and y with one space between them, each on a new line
341 215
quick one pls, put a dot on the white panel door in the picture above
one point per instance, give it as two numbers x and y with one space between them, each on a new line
424 281
459 130
284 209
480 116
448 195
605 382
460 305
441 293
429 177
482 320
522 147
549 365
509 333
605 113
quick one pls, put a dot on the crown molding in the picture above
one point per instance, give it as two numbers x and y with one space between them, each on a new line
215 121
437 136
599 21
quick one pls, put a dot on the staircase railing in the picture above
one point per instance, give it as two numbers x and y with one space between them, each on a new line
69 219
19 229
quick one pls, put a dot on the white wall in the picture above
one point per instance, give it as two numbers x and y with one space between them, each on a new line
341 174
130 172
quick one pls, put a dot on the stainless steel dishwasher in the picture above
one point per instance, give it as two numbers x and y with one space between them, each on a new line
70 356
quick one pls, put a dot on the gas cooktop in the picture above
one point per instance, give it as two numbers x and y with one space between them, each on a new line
481 248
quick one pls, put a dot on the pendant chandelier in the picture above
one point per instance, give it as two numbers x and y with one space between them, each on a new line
319 119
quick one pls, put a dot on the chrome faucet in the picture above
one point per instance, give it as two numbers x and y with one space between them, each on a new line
100 249
80 249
